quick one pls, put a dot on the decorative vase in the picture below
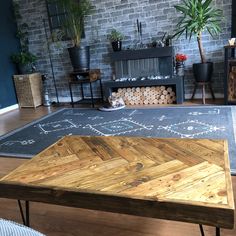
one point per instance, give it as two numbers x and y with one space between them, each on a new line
179 66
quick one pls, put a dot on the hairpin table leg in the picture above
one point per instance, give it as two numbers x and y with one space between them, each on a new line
202 230
25 216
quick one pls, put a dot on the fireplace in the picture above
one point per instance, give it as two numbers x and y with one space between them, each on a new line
143 63
152 68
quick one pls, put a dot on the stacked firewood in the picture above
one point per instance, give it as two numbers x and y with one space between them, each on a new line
146 95
232 84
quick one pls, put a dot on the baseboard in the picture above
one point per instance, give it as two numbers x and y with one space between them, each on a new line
10 108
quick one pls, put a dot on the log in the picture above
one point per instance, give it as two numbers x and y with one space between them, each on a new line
164 92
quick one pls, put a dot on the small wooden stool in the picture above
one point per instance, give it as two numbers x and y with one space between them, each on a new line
203 84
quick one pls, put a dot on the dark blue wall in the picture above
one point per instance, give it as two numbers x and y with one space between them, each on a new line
8 45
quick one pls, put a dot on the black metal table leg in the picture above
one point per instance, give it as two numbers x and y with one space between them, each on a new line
71 95
101 89
91 91
201 230
82 90
25 216
217 231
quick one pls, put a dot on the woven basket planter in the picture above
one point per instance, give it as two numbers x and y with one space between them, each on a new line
29 89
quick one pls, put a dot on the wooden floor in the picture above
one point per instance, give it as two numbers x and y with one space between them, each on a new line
64 221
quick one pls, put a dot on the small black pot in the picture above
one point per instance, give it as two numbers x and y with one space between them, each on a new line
24 69
203 71
116 45
80 58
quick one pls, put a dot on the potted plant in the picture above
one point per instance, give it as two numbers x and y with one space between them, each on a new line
115 38
73 28
24 61
199 16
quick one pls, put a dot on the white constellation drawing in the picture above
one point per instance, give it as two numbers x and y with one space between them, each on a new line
135 112
74 113
117 127
163 117
21 142
191 128
210 112
56 126
95 117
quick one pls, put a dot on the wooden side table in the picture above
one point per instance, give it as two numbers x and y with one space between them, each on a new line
203 86
88 77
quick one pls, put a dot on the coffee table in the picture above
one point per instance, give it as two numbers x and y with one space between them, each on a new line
175 179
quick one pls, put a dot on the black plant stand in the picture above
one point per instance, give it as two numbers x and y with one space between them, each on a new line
203 86
88 77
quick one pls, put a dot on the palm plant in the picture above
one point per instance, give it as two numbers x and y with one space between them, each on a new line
74 22
198 16
73 27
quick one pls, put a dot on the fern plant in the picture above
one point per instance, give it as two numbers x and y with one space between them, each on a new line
198 16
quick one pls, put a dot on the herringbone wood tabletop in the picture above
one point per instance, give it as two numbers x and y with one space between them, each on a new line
177 179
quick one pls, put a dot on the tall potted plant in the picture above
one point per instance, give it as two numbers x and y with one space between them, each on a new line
199 16
73 28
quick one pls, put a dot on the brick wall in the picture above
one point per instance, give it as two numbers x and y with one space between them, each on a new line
157 17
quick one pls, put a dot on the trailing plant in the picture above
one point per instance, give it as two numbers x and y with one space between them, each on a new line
24 57
115 36
76 12
198 16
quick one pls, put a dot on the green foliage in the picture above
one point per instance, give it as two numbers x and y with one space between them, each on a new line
115 35
198 16
74 21
23 58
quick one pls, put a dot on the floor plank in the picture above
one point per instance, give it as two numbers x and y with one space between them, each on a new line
64 221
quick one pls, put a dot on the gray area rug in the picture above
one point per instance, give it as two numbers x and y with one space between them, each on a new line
217 122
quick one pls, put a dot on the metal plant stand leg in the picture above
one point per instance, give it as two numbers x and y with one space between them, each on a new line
203 94
212 93
71 95
91 91
24 216
194 91
201 230
101 89
82 90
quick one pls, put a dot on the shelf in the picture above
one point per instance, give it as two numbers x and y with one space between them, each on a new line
142 54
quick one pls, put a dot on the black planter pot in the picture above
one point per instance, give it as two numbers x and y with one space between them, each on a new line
24 69
80 58
203 71
116 46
